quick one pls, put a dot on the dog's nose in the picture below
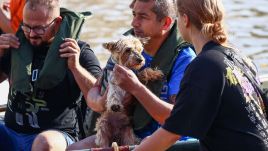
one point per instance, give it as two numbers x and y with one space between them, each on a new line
139 60
115 108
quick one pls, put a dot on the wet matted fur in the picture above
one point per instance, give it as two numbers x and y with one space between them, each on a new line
114 125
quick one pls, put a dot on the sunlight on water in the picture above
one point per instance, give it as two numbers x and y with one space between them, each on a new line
109 20
248 29
246 24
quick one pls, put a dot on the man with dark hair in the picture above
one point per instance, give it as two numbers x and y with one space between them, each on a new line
165 50
47 67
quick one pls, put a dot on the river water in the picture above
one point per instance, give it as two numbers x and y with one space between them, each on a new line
246 23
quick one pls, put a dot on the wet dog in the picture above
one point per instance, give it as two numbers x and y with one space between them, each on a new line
114 125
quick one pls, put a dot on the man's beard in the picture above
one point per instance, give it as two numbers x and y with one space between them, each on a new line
37 47
141 34
37 38
41 45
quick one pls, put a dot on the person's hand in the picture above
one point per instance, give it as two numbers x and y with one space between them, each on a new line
95 100
70 50
126 78
128 100
8 41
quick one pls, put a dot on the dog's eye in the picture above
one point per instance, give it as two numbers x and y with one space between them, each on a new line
128 50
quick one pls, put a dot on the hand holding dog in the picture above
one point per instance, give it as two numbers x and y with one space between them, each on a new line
95 100
126 79
70 50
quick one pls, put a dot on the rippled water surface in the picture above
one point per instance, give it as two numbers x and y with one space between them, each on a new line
247 23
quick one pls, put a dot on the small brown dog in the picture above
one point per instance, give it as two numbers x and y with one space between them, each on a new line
114 124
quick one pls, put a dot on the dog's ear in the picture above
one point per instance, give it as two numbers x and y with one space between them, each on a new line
110 46
144 40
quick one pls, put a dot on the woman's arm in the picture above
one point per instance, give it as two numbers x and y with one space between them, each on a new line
158 141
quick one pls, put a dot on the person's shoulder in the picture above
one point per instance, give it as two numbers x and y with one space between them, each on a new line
206 67
187 51
185 56
86 53
84 47
212 55
82 44
209 60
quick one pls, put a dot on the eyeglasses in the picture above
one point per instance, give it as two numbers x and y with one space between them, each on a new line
40 30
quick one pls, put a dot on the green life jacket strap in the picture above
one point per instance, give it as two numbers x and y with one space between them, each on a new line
164 61
54 68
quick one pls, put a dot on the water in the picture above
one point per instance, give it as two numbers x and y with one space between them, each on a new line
246 22
247 25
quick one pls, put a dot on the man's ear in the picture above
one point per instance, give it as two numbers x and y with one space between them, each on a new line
57 22
167 22
59 19
111 46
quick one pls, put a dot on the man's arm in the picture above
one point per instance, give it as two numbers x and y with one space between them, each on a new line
84 79
95 100
157 108
3 76
70 50
158 141
5 24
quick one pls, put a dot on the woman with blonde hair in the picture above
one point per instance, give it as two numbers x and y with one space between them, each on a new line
220 101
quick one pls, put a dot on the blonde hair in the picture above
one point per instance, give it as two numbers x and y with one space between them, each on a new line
206 16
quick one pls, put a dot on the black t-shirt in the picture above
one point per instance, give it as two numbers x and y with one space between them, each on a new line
218 105
49 109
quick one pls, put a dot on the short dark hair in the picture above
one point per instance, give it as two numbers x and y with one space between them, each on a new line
163 8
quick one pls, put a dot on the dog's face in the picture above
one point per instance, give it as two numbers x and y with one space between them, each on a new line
127 51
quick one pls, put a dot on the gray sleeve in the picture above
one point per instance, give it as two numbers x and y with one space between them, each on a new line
88 59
